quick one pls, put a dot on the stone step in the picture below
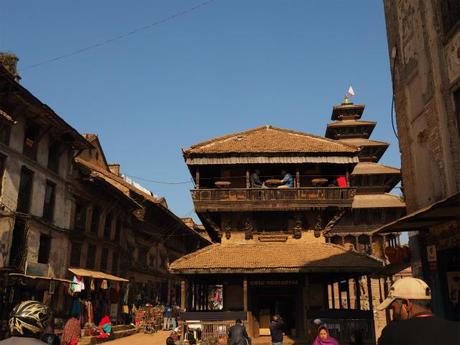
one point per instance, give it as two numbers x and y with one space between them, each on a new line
118 331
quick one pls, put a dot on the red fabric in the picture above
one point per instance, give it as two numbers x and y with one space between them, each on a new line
342 181
71 331
104 320
103 336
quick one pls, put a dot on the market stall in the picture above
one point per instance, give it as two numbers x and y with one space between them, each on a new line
95 296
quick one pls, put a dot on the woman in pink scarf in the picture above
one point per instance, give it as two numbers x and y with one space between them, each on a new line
323 337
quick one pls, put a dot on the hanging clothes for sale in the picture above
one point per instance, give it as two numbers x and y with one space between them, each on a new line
126 295
76 307
92 286
77 284
89 311
104 285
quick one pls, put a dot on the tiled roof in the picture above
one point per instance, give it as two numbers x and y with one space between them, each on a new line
116 181
89 136
268 139
352 123
367 168
255 257
377 201
363 142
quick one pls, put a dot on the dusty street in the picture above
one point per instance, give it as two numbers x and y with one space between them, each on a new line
158 338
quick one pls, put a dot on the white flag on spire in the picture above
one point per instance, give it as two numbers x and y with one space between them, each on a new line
350 92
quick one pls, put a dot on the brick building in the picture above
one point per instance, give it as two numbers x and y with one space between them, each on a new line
65 211
424 49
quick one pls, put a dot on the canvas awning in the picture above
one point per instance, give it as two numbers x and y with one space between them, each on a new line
442 211
22 275
83 272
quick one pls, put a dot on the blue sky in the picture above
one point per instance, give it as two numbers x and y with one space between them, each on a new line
224 67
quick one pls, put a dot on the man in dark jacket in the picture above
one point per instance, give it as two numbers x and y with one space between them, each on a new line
410 299
237 334
276 330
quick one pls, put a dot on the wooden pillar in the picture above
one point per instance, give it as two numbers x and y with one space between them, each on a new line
245 294
358 293
169 292
369 292
297 178
305 302
182 295
371 239
386 285
197 178
248 179
343 240
356 242
340 295
348 294
332 295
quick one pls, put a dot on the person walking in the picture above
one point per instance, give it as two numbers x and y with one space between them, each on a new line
237 334
415 323
276 330
27 323
323 337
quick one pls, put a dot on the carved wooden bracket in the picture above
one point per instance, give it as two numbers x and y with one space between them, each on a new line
297 233
248 229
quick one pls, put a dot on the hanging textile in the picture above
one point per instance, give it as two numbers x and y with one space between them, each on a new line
77 284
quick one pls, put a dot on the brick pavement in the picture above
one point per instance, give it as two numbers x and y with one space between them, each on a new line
158 338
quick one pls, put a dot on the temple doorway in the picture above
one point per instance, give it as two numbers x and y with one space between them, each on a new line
268 300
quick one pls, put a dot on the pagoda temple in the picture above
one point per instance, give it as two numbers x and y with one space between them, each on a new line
373 205
288 248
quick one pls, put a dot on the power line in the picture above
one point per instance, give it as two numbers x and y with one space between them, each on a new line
159 182
122 36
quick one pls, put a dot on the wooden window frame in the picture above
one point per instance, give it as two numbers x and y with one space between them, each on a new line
48 206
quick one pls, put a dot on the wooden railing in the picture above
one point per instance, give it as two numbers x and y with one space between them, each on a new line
269 197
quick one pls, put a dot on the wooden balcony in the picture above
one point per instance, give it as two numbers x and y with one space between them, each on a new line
270 199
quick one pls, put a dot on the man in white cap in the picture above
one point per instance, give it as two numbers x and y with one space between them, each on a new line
410 300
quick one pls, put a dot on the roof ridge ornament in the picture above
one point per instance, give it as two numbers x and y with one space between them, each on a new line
350 93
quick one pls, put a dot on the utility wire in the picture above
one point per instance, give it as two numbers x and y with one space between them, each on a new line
159 182
122 36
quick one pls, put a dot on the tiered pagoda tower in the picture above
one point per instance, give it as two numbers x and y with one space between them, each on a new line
372 205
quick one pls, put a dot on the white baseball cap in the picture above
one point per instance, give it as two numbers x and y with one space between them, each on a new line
406 288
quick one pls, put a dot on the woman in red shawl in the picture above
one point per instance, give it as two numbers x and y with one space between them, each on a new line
72 331
323 337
